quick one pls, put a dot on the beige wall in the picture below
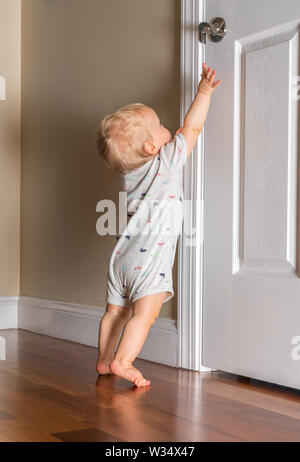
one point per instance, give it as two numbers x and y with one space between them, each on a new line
80 60
10 57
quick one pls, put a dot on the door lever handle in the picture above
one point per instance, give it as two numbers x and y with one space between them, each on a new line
215 29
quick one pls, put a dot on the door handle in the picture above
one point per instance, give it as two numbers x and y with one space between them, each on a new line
215 29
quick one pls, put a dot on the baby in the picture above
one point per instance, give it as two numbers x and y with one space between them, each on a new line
134 143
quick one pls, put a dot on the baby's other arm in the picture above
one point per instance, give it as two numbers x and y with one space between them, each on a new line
196 115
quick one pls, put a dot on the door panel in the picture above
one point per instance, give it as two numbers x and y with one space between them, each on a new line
251 299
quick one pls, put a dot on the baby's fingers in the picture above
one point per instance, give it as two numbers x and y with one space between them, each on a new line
215 84
207 75
212 76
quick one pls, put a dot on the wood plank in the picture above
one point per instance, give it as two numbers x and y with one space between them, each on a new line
88 435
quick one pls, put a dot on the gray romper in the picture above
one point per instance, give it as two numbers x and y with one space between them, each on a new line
142 260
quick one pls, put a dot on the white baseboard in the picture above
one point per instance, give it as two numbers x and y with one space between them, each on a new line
8 312
81 324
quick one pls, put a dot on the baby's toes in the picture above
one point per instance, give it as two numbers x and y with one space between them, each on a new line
145 383
138 382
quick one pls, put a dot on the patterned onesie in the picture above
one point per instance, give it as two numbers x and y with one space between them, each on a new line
142 260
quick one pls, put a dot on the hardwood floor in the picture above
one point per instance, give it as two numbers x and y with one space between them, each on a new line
50 391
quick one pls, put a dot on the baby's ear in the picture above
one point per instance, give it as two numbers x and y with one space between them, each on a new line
149 147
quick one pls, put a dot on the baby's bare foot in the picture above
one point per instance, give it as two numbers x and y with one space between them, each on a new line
125 370
102 366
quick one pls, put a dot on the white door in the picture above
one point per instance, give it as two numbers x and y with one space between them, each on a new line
251 298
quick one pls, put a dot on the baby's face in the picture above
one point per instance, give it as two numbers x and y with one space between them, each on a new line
161 135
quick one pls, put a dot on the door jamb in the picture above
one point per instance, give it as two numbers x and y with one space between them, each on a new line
190 257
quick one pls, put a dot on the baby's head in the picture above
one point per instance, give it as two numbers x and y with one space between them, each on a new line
130 137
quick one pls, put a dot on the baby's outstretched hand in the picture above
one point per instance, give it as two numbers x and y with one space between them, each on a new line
207 84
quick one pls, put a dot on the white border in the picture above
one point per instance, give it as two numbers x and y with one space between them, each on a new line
80 324
2 88
8 312
190 258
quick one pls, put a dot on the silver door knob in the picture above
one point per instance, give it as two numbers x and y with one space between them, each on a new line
215 29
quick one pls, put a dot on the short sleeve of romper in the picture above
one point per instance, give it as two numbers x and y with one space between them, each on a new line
174 154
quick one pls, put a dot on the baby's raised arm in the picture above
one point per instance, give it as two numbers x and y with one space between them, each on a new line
196 115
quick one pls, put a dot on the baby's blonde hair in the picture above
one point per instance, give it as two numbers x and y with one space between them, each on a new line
121 137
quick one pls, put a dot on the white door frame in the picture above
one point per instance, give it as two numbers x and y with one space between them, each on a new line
190 257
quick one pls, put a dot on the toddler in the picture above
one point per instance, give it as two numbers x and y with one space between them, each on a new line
134 143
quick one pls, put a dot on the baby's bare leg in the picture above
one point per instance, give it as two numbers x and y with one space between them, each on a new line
110 328
145 311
